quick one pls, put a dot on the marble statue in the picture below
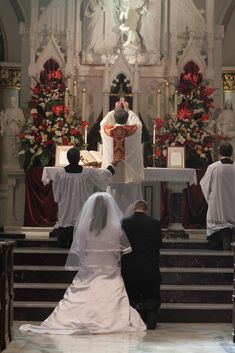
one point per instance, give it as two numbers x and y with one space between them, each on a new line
226 121
12 122
99 27
149 30
123 7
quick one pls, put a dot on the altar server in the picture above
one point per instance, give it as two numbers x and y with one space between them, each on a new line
121 132
72 186
218 187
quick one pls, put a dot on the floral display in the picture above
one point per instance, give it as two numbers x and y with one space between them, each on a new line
51 123
192 125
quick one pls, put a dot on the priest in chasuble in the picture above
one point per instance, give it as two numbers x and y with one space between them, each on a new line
121 132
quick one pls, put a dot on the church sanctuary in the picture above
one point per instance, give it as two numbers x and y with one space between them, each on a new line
144 91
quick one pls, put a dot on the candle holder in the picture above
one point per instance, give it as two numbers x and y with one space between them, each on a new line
153 155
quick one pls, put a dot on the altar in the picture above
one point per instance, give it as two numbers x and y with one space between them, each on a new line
175 180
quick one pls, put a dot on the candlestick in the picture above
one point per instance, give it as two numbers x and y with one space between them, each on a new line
176 102
66 97
83 104
158 102
167 97
75 95
85 135
154 134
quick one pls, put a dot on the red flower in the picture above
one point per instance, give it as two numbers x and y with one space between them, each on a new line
74 132
65 140
209 90
54 74
21 136
159 122
204 117
85 124
57 109
48 142
158 152
184 113
38 139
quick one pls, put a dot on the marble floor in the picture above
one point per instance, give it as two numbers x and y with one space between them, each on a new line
168 338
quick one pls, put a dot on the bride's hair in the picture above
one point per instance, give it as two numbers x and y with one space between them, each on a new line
99 215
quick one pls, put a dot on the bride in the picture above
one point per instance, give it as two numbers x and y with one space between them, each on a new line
96 301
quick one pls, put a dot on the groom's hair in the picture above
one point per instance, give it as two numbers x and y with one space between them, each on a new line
121 116
140 204
73 155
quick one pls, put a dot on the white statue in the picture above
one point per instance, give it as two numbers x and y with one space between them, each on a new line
99 27
226 121
11 125
123 7
149 27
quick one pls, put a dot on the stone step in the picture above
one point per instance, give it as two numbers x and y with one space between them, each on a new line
168 257
170 293
167 243
170 312
170 275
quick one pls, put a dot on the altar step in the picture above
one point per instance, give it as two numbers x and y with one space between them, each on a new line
196 282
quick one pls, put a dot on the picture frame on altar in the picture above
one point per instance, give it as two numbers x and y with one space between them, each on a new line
175 157
61 155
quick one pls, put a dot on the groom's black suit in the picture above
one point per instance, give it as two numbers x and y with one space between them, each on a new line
140 268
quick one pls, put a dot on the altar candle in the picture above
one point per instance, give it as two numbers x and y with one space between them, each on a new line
158 102
75 95
66 97
176 102
154 134
167 97
83 103
85 135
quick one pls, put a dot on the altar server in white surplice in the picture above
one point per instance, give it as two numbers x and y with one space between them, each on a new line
218 187
121 132
72 186
96 301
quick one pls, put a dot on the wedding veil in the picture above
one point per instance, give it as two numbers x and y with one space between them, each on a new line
98 238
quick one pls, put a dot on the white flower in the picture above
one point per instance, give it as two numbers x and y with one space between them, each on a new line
164 152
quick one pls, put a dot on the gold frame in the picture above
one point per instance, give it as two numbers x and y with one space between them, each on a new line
179 156
59 158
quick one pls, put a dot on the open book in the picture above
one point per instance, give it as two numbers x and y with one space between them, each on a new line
90 157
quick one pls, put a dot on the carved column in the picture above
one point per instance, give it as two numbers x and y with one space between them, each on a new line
106 88
25 83
173 38
136 88
11 184
165 34
33 37
70 38
210 37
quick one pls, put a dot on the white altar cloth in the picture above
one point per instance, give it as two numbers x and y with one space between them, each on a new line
184 175
49 173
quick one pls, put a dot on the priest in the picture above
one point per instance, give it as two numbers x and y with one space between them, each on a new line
218 187
121 132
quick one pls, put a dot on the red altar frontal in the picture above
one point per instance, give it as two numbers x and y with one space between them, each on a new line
41 210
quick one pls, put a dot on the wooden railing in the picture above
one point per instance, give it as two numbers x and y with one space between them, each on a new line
6 293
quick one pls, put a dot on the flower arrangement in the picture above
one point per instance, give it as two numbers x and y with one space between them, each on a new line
192 125
51 123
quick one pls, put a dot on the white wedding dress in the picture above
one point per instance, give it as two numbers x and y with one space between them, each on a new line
97 305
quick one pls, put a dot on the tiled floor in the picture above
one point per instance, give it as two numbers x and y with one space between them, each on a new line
168 338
